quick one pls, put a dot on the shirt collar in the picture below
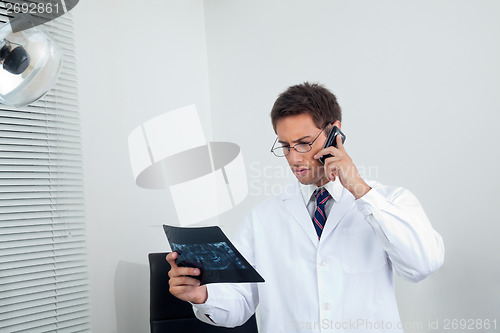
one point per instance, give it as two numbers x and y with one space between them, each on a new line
335 189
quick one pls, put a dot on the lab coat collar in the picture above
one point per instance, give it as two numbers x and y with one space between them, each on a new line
294 203
335 189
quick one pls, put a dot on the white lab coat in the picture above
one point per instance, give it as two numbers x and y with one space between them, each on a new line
341 283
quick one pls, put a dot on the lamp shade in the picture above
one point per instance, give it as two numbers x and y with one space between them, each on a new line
30 62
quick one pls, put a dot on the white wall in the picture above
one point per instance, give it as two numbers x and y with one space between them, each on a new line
135 61
418 83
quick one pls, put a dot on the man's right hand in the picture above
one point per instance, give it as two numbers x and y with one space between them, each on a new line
183 285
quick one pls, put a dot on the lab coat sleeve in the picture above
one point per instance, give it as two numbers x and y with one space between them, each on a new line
401 225
228 304
232 304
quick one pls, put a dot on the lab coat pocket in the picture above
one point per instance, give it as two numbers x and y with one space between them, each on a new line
361 252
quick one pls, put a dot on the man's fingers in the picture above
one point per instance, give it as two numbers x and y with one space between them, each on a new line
340 145
179 290
184 281
331 160
328 150
183 271
180 271
171 259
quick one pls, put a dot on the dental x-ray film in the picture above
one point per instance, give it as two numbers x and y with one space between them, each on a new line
208 249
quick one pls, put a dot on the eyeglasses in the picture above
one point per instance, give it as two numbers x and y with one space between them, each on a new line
299 147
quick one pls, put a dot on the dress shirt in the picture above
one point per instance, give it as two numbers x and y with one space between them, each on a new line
342 282
335 189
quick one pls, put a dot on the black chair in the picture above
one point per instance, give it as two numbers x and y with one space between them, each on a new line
168 314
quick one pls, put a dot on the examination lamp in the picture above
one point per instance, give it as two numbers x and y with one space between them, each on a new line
29 63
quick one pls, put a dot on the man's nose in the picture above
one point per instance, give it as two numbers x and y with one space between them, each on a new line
294 156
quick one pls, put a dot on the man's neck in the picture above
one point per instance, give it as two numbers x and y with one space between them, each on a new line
322 182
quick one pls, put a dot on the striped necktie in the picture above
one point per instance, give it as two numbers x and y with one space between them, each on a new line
319 218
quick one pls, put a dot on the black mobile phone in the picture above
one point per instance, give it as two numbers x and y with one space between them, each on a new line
331 140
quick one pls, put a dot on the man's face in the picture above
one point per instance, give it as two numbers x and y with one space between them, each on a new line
296 129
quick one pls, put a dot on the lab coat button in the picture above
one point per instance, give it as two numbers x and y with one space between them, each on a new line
326 306
322 263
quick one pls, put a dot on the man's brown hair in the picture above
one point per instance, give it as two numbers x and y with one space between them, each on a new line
310 98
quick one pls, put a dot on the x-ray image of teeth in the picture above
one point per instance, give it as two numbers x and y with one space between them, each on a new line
215 256
208 249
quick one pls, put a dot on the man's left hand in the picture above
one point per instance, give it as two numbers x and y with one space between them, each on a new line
341 165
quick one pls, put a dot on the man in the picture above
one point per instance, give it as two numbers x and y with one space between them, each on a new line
329 248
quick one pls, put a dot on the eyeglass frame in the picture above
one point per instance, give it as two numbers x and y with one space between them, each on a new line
290 147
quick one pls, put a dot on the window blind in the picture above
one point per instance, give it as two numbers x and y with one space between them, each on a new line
43 260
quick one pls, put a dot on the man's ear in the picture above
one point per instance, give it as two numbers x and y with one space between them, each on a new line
330 126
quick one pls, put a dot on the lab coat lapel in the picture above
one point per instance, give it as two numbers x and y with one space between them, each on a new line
339 209
295 206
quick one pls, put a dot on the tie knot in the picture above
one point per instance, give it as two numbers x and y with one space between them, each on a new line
322 196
